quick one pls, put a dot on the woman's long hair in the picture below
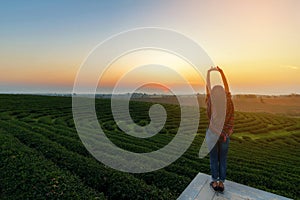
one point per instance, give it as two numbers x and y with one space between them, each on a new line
218 106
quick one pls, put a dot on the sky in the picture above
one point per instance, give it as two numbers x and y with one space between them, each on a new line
256 43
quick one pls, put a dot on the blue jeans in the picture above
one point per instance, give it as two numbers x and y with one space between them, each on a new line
218 158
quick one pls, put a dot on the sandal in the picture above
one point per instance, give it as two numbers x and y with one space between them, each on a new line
214 185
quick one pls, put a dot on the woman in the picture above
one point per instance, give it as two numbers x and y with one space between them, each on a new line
220 111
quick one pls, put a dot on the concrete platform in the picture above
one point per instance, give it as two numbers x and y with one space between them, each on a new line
200 189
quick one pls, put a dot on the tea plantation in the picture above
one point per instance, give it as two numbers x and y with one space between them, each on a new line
42 157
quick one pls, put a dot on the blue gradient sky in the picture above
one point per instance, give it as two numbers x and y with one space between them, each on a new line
42 43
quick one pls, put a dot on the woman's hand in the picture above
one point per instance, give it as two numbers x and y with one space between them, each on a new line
219 69
213 69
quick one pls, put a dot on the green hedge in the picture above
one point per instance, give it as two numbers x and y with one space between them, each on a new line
26 174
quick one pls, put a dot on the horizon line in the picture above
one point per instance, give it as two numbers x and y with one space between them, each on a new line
139 93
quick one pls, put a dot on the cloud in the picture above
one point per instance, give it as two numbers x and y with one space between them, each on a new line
290 67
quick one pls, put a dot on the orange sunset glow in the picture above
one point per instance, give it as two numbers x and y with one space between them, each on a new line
129 65
256 43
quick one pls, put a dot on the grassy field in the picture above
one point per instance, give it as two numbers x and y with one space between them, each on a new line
42 156
288 105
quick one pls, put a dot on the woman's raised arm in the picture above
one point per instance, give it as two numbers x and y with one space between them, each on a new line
208 84
224 79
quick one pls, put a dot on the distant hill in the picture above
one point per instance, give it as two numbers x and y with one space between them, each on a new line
283 104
